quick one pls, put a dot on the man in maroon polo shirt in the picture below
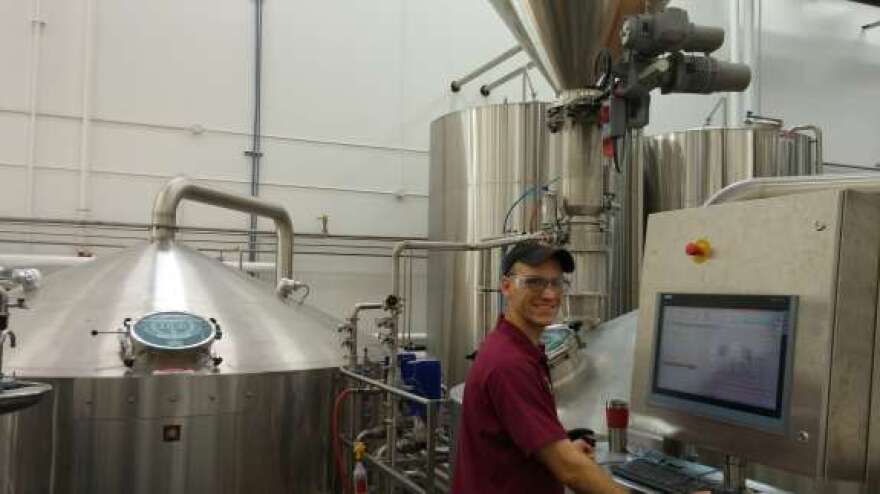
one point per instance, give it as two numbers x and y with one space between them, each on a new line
509 437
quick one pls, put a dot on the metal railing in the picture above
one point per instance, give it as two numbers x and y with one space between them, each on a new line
432 411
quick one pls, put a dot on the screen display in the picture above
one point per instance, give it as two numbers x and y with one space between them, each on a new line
726 351
172 330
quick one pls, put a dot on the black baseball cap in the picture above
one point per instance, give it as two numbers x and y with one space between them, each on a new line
534 252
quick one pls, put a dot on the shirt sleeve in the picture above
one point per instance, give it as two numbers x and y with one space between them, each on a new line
524 406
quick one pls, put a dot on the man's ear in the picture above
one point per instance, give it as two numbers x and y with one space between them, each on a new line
506 285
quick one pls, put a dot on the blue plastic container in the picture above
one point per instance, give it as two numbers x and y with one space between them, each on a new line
427 378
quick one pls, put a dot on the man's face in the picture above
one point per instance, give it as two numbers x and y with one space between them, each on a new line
537 305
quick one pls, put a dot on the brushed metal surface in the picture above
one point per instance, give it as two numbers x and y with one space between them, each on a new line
237 434
872 472
261 333
482 160
578 170
21 394
179 188
762 188
599 372
256 423
854 327
683 169
563 37
785 245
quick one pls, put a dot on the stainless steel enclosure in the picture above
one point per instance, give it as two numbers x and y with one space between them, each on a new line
822 247
482 161
170 421
683 169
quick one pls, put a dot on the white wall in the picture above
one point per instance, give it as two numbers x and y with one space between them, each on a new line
349 89
819 67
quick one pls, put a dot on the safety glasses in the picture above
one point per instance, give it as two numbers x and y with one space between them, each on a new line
536 283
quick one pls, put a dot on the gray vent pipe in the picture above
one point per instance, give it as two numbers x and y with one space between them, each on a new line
180 188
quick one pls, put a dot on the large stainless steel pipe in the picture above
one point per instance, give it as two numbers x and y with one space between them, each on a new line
180 188
760 188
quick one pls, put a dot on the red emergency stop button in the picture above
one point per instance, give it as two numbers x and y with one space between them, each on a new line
698 250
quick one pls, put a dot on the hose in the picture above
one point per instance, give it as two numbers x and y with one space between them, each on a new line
334 436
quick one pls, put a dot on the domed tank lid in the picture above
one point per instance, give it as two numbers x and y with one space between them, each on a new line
162 307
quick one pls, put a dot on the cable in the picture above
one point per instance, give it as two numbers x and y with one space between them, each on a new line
528 192
334 436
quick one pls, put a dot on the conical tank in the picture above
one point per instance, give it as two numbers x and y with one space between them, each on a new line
564 37
260 333
172 373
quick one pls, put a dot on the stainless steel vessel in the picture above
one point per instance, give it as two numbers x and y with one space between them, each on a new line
247 412
488 165
683 169
563 38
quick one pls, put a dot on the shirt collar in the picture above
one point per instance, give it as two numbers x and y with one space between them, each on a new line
519 338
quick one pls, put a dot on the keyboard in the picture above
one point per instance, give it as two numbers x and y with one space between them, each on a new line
662 478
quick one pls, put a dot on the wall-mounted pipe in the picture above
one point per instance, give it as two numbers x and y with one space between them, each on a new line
487 89
180 188
457 84
86 121
255 152
871 25
760 188
37 24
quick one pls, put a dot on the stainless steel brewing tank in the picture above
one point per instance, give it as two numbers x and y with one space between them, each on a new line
482 161
256 423
683 169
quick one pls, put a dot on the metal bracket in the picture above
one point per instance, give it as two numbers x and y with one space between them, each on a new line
457 84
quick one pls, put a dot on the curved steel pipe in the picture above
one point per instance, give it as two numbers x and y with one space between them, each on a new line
817 137
180 188
760 188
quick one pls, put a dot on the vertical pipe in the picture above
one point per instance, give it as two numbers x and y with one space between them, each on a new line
33 86
88 28
757 28
255 153
750 38
737 114
430 418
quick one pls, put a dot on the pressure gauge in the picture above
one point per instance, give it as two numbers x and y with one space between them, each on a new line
173 331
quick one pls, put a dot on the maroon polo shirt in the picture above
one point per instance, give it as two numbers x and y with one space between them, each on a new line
508 414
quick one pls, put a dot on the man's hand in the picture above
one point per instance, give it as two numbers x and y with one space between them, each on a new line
570 464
